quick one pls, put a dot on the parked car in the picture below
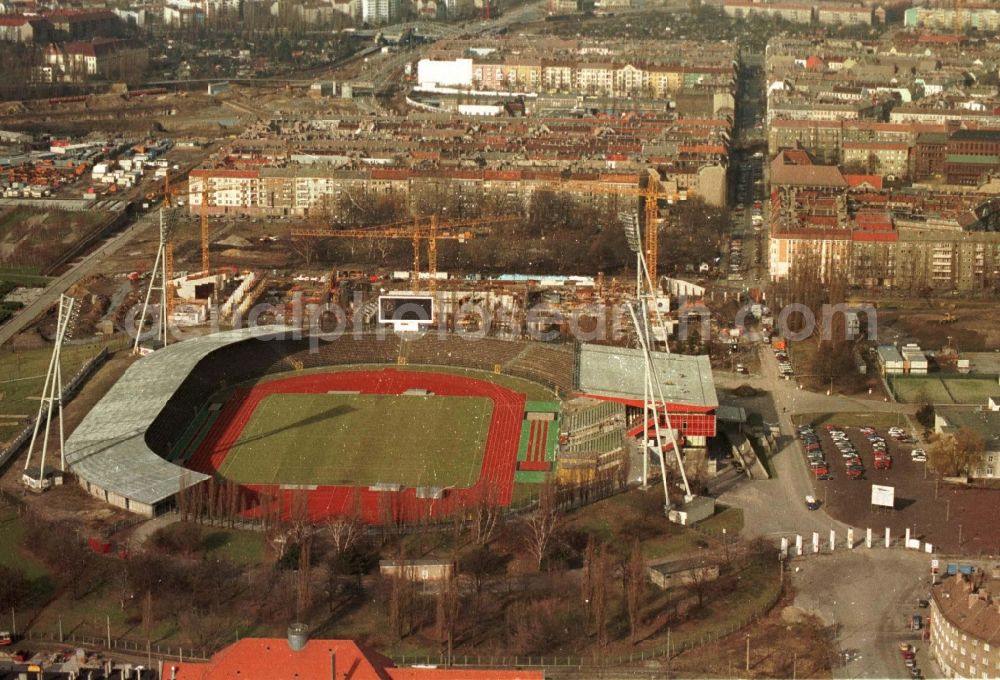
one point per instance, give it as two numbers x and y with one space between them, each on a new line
916 622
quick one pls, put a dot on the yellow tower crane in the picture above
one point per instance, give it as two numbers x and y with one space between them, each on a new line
430 229
650 189
168 197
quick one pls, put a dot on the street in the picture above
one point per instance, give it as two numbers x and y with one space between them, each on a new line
78 270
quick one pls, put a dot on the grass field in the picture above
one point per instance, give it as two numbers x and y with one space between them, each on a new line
911 390
945 390
22 377
361 439
971 390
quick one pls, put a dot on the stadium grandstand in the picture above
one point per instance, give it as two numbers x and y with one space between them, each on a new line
616 374
109 450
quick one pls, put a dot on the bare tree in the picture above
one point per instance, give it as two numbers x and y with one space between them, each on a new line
347 530
305 247
303 594
485 516
601 597
542 525
587 581
147 616
956 453
636 589
702 583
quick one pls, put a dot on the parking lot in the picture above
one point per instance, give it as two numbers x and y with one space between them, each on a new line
952 519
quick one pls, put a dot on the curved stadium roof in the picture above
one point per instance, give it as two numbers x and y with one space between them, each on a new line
108 448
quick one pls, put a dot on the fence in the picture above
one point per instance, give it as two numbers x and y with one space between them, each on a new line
69 391
672 649
140 648
121 645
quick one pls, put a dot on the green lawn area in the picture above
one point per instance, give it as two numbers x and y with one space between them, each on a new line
233 545
22 377
910 390
13 555
362 439
869 419
638 514
971 390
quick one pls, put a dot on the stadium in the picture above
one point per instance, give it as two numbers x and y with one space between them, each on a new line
392 427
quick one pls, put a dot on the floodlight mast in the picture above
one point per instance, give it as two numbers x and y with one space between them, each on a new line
159 270
644 287
655 402
52 391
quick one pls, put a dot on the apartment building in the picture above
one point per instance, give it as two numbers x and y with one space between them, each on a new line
928 155
983 419
535 75
972 156
844 14
911 242
303 190
379 11
878 158
21 29
100 58
965 627
984 19
795 12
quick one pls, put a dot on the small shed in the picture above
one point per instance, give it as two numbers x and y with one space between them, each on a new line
682 572
421 571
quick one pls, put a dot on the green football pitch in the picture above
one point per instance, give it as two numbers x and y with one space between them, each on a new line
361 439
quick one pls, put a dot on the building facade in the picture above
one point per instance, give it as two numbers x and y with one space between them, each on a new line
965 627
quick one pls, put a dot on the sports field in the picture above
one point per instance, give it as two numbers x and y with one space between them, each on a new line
362 439
944 390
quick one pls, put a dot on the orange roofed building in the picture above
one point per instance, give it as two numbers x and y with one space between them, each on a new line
278 659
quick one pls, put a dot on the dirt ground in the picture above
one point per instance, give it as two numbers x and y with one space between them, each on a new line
973 330
787 643
933 511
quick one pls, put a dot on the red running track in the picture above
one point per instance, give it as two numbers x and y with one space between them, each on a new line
496 478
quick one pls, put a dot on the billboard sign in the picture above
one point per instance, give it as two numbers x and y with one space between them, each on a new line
883 496
406 312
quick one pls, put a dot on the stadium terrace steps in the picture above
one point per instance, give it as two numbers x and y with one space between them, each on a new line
458 350
550 364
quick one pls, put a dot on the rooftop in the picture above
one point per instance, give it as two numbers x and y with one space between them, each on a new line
975 418
970 609
108 448
274 659
617 373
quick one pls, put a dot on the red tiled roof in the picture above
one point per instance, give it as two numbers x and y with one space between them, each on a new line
814 234
874 236
857 180
14 20
273 659
222 172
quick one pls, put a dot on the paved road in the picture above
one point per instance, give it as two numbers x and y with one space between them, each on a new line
81 268
869 595
777 506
